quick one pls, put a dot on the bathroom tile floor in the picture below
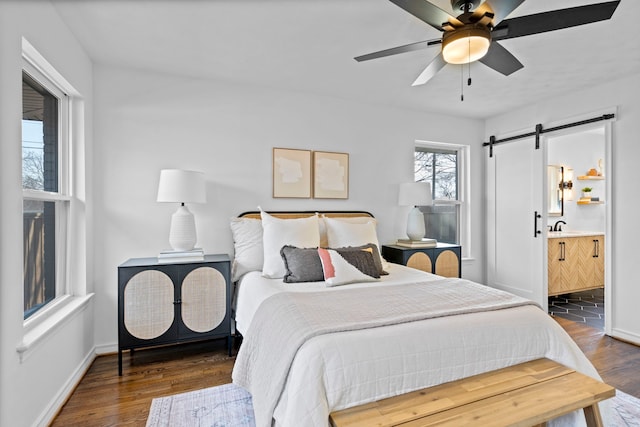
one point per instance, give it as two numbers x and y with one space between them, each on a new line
584 307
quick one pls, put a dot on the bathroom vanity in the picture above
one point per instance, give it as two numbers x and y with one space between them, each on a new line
575 261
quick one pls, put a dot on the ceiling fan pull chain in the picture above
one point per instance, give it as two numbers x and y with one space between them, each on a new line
469 79
461 83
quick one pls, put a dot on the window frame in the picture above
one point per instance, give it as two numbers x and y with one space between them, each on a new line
463 178
37 70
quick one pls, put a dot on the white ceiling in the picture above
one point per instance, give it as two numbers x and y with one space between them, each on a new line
309 45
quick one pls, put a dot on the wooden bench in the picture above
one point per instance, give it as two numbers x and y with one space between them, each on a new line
528 394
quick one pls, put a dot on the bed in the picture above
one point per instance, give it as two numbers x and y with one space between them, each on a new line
310 348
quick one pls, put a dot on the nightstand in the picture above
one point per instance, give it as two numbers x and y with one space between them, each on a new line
443 260
163 303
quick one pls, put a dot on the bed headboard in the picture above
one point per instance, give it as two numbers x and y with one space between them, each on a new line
246 227
305 214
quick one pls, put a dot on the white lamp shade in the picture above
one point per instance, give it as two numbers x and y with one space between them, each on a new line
181 186
414 194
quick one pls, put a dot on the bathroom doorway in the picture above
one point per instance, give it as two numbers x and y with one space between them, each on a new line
583 191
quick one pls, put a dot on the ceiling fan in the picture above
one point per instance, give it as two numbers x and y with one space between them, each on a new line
474 34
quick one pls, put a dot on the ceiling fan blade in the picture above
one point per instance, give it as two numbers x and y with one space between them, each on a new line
553 20
400 49
501 60
427 12
500 9
431 70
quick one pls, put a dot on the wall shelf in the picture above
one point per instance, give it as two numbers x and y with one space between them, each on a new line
598 202
589 177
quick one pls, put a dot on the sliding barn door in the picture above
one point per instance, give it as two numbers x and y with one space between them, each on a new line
515 215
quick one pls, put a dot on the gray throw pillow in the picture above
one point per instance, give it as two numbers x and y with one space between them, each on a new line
301 264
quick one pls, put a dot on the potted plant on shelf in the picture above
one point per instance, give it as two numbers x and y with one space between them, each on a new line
586 192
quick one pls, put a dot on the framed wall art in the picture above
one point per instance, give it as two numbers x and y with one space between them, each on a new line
291 173
330 175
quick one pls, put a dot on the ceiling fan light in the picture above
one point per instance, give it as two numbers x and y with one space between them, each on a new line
466 45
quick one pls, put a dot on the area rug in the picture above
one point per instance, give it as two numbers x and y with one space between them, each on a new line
222 406
230 406
626 410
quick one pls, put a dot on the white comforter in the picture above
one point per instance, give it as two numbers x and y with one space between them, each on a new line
340 370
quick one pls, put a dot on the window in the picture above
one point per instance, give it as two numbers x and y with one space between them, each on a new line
45 190
442 166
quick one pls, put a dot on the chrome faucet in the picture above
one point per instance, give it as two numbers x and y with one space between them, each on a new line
557 226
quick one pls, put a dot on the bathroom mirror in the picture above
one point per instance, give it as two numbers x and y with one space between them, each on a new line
554 178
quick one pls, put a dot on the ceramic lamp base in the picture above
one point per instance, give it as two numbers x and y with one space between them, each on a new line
415 224
182 236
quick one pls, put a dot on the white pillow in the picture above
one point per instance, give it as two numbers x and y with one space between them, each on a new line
343 233
338 271
248 249
299 232
349 219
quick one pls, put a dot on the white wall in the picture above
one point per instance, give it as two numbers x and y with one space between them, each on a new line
625 94
31 390
145 122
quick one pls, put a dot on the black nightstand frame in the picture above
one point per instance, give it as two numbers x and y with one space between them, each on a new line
400 254
178 332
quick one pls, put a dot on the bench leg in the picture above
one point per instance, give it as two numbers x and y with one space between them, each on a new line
592 415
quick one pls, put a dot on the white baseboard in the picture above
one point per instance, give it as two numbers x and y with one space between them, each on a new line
65 392
106 349
626 336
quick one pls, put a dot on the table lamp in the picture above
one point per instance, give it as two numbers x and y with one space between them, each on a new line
182 186
415 194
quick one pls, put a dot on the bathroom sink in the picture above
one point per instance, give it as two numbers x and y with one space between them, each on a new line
573 233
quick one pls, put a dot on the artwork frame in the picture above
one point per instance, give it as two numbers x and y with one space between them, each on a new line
291 173
330 175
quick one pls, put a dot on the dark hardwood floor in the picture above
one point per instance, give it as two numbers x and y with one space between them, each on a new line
104 399
617 362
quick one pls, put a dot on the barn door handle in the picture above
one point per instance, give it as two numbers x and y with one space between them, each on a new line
536 216
596 248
